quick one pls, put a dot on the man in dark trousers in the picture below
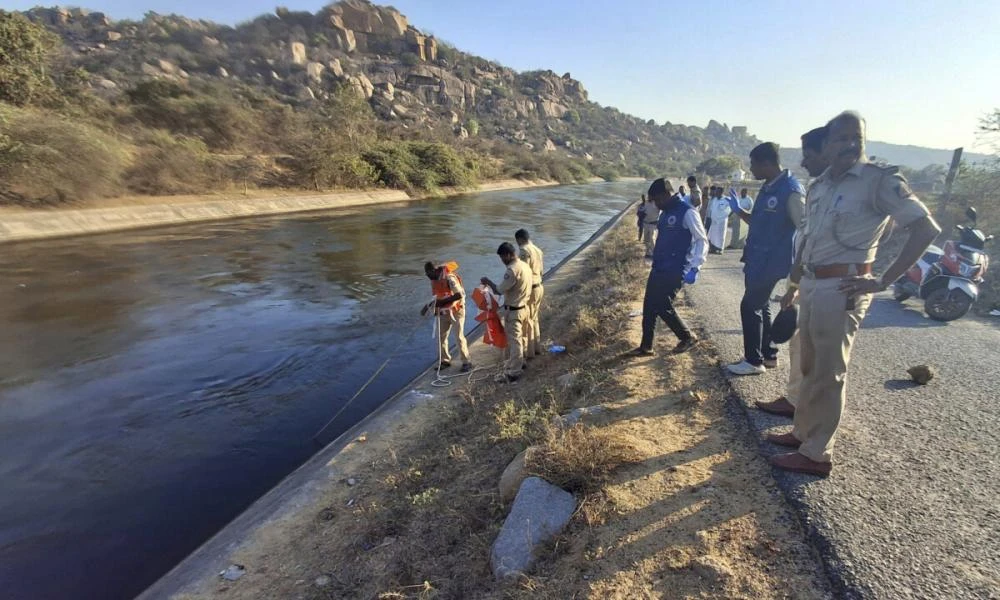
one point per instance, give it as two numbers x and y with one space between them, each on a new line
767 256
681 246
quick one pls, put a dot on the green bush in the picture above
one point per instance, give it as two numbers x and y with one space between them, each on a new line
419 166
47 156
608 173
410 59
24 60
173 165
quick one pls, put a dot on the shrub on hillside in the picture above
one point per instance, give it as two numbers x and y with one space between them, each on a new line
419 166
46 156
608 173
172 165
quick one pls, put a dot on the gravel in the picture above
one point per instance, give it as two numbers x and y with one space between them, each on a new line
911 509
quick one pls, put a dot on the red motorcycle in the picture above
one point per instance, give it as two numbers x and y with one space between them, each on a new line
948 279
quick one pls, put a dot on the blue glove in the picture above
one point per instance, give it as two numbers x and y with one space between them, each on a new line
691 276
734 204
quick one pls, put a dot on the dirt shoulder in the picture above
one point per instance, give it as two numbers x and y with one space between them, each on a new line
674 500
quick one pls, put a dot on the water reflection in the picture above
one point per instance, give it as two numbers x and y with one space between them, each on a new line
153 384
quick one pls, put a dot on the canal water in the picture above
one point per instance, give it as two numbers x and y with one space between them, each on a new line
153 384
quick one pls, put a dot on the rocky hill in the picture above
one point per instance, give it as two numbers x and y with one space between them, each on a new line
408 78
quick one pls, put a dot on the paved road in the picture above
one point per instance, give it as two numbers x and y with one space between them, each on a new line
912 509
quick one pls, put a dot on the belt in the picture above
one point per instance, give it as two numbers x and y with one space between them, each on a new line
650 223
512 307
839 270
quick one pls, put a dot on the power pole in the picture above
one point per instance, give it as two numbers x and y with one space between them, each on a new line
956 160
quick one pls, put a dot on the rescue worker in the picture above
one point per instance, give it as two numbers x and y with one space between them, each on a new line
649 224
449 306
516 291
814 162
681 247
533 255
767 256
849 207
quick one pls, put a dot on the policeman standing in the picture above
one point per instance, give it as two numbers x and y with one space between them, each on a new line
681 246
449 307
767 256
533 255
516 291
849 207
813 161
652 214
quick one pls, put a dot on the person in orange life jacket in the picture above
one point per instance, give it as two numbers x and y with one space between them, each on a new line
767 256
533 255
681 246
815 163
516 291
449 306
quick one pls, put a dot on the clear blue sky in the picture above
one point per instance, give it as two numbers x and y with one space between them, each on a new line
922 71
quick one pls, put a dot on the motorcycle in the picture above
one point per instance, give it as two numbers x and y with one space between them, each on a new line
947 279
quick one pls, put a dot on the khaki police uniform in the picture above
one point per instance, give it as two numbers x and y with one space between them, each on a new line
649 226
453 317
532 254
516 290
846 217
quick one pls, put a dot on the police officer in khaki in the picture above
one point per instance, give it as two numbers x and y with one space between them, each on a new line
516 291
847 209
814 162
532 254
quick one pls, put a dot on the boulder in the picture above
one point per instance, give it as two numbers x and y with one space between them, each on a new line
515 474
166 66
576 415
365 17
366 84
210 42
114 36
222 72
335 68
106 84
549 145
344 39
387 90
148 69
551 109
315 71
463 133
298 53
540 511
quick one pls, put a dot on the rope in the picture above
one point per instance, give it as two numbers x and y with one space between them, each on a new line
439 380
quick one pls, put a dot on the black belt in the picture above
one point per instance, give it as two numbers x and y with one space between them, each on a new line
536 285
512 307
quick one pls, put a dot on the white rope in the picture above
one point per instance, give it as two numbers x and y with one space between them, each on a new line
440 380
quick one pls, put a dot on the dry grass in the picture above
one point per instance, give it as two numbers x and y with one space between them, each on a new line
581 459
663 481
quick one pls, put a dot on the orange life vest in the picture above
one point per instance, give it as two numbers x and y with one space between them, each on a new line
488 304
442 290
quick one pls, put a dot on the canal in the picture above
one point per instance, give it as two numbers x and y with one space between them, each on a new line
154 383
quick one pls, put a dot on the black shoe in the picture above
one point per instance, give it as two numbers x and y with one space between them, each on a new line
524 367
685 345
444 364
640 351
466 367
506 378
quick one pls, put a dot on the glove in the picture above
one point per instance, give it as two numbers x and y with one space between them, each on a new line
691 276
734 204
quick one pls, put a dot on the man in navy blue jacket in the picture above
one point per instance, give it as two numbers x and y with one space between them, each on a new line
767 256
681 246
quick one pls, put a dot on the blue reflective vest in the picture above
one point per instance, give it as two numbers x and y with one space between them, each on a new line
673 240
769 250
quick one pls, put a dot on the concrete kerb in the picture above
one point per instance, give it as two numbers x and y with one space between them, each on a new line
47 224
298 490
740 409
